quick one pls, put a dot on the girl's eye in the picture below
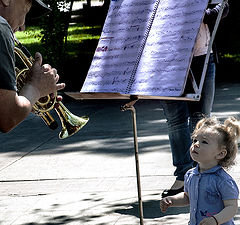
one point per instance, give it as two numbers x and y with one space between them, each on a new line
194 140
204 142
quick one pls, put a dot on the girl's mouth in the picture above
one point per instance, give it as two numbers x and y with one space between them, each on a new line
194 152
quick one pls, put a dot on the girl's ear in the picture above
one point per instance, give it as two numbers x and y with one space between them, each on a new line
5 2
222 154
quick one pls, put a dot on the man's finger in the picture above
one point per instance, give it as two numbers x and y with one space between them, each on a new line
60 86
59 98
38 58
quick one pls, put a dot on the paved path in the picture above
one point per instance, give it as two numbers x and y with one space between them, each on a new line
90 178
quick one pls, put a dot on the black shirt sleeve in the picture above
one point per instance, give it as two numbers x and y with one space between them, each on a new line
7 58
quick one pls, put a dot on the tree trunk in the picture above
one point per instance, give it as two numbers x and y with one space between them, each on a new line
106 3
89 3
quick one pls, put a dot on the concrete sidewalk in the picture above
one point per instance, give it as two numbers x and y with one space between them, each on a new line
90 178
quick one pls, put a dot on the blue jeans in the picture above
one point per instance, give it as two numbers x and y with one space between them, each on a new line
182 117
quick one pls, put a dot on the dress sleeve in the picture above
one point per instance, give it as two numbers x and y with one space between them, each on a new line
186 182
229 189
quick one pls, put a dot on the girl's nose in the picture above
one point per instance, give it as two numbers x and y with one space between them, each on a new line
196 143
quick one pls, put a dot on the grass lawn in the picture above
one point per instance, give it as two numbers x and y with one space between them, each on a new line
77 34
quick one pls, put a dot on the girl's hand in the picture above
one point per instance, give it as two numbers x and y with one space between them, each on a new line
165 203
208 221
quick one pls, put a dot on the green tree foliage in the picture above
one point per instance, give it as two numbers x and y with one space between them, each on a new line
55 27
228 44
228 33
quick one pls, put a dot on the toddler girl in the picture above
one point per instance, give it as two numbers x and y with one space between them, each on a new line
208 188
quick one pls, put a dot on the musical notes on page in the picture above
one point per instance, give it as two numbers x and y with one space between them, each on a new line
168 49
118 47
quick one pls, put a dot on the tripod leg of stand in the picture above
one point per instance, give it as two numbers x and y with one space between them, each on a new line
133 111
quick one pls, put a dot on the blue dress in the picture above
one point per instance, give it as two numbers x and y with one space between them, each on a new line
207 190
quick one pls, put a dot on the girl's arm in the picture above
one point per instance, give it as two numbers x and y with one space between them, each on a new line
180 199
230 210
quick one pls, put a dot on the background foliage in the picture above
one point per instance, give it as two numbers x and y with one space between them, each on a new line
54 31
228 44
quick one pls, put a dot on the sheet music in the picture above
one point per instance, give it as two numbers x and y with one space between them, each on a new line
118 46
168 50
124 64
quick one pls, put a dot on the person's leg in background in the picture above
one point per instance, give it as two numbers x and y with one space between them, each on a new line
177 115
182 117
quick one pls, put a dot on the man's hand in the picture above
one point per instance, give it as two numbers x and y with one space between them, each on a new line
43 77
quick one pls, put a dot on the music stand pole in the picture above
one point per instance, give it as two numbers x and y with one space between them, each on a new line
129 106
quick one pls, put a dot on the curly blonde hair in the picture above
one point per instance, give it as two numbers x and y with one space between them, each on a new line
229 132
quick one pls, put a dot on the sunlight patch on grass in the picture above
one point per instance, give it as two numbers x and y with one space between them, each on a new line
235 57
32 35
79 33
76 34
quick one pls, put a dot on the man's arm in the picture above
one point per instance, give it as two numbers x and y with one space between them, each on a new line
14 108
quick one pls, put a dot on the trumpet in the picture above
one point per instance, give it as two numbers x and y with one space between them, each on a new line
71 123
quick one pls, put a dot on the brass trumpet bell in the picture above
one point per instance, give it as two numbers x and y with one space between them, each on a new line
71 124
